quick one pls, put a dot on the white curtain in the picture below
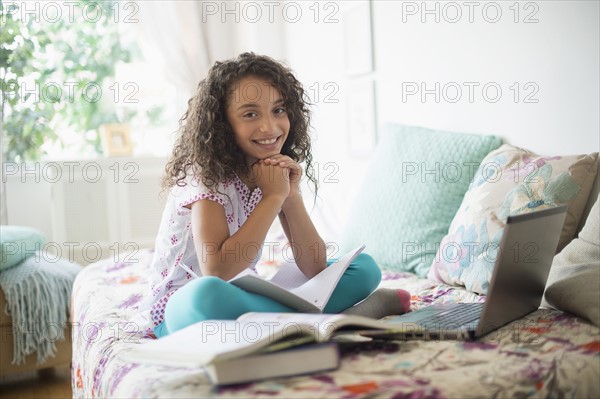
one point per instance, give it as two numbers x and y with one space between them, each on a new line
173 30
3 207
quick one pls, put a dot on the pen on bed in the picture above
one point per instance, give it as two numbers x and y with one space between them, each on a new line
188 269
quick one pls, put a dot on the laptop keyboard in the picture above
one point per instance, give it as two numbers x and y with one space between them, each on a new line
465 314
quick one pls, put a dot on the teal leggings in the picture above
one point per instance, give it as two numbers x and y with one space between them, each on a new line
210 297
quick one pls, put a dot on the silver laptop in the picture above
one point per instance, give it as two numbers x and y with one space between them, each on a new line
518 281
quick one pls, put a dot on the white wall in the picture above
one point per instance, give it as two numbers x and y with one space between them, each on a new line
558 56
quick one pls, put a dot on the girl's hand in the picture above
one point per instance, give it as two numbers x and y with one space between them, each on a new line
295 171
272 179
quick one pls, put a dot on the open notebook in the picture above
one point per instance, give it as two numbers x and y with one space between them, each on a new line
290 287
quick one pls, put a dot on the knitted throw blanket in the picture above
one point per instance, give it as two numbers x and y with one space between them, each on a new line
38 297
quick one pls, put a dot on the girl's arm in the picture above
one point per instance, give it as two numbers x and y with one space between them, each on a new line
307 245
223 255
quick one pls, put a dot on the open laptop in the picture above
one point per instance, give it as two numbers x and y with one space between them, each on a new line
518 281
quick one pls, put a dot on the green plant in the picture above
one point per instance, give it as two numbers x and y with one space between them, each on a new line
54 74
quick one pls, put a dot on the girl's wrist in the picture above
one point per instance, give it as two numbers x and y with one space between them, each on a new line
277 199
291 202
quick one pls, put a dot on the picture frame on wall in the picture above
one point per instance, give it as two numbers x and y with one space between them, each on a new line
362 120
116 139
358 39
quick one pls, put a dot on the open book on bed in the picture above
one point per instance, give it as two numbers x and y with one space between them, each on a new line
256 345
212 341
290 287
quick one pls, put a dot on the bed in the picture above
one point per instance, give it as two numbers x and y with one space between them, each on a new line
548 353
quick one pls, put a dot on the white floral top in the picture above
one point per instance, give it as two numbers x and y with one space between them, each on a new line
174 247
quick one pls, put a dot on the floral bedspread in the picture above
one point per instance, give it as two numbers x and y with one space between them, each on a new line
546 354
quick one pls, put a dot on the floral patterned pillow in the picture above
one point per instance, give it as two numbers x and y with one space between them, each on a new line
509 181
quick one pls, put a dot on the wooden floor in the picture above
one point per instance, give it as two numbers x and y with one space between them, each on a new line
30 385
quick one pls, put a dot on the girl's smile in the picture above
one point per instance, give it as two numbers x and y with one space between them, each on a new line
270 144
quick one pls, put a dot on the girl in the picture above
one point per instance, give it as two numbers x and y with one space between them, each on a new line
235 169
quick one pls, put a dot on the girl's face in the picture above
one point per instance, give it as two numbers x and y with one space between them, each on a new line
258 118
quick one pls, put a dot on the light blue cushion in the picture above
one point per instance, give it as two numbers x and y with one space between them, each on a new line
17 243
412 190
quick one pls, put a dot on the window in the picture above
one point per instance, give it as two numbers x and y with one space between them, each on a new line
68 68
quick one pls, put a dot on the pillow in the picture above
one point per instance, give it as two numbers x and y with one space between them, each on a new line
17 243
412 189
509 181
575 275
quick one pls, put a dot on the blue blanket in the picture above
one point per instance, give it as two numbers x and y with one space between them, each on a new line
38 297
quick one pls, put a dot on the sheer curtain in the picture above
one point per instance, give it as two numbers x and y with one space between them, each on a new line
172 33
3 208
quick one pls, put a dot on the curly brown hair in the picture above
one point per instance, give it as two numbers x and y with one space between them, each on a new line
206 147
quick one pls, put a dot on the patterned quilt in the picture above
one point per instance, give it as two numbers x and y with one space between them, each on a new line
546 354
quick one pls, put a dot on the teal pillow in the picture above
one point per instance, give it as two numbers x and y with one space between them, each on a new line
412 190
18 243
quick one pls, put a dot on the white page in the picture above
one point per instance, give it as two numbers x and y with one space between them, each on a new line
203 342
266 288
212 340
318 289
289 276
322 325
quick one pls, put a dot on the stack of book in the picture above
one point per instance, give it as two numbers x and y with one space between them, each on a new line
256 346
